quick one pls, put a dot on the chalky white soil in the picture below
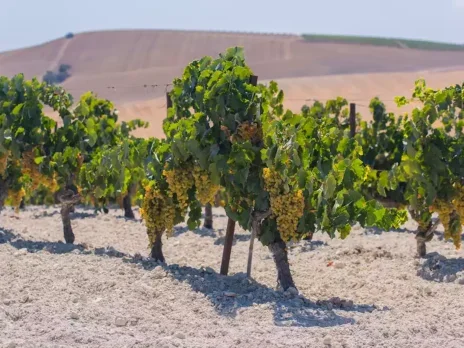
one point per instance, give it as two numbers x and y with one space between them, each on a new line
366 291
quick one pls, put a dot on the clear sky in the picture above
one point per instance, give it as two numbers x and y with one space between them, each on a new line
30 22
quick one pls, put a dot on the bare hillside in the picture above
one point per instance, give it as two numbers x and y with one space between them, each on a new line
357 88
133 58
128 60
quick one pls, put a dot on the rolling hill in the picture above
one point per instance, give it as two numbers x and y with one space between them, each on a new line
118 64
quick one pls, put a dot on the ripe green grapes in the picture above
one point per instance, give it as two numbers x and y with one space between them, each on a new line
206 190
287 208
158 211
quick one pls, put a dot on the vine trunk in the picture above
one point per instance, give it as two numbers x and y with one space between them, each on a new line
208 217
66 218
279 252
126 203
157 248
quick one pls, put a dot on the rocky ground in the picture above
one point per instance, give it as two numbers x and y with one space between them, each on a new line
365 291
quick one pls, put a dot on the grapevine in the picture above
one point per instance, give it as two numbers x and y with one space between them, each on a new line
242 134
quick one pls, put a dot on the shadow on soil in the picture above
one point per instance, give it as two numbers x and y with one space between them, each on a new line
232 294
32 246
228 294
437 268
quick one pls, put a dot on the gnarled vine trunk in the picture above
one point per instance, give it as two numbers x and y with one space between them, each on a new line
208 217
157 248
68 199
126 203
278 248
67 228
3 193
423 235
279 253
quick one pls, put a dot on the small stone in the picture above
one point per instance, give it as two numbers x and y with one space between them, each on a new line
20 252
292 291
348 304
180 335
134 322
229 294
158 273
120 322
428 291
11 345
339 265
439 257
24 299
209 270
7 302
49 249
327 341
74 316
449 278
461 280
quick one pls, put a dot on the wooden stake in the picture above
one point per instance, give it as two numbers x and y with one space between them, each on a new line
253 81
352 119
229 239
250 251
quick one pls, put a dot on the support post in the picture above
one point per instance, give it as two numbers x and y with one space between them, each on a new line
168 102
229 239
352 119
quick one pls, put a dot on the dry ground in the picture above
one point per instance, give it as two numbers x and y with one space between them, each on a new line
101 293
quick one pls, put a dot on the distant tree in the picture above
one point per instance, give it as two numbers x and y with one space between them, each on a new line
52 77
69 36
63 69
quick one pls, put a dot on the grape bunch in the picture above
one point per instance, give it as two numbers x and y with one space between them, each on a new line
15 198
251 131
180 181
287 208
450 220
206 190
158 211
3 163
33 177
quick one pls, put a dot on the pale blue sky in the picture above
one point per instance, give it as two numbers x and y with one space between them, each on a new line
29 22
